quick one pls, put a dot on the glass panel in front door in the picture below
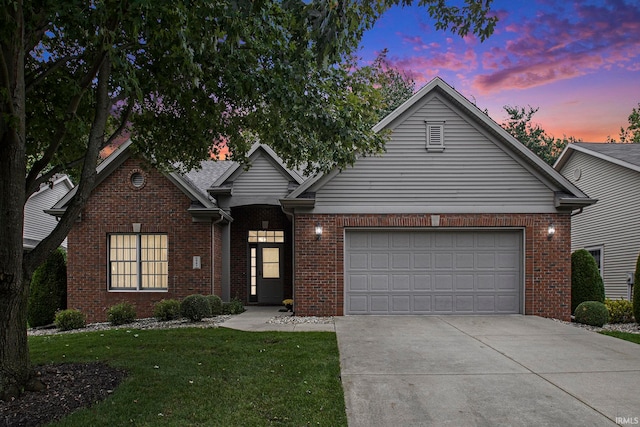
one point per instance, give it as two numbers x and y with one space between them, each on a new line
271 263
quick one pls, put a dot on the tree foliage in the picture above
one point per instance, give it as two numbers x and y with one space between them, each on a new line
630 134
520 126
186 77
48 290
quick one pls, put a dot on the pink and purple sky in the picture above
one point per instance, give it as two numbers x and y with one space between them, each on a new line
579 61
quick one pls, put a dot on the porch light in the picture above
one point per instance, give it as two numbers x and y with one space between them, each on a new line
318 231
551 230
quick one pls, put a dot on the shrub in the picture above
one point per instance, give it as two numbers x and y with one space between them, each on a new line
586 283
66 320
215 302
592 313
620 311
235 306
636 292
195 307
121 314
48 290
167 309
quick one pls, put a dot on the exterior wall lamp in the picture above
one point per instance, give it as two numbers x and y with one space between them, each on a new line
318 231
551 231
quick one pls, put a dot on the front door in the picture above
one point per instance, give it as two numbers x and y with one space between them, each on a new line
266 282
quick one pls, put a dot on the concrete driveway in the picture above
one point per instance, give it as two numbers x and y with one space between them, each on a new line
485 371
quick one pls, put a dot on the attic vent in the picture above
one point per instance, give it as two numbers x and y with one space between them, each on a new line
435 136
137 179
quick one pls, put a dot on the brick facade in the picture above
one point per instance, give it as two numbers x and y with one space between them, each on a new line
319 270
247 218
160 207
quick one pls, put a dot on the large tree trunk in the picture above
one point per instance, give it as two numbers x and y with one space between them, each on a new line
14 286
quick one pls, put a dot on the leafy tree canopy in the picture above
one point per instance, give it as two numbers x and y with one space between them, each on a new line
630 134
186 76
520 126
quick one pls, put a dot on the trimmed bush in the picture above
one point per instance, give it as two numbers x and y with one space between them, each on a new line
235 306
167 309
121 314
636 292
195 308
215 302
620 311
586 283
66 320
593 313
48 290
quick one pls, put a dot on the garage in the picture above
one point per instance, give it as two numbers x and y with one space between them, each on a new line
421 271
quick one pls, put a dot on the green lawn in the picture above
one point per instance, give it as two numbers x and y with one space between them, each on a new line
623 336
207 377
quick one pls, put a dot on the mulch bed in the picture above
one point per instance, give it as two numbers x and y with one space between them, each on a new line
69 386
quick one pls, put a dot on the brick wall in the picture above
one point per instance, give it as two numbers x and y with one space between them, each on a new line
247 218
319 275
160 207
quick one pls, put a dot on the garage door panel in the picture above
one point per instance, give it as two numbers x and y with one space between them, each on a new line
401 282
443 282
379 304
433 272
357 282
379 282
421 282
401 260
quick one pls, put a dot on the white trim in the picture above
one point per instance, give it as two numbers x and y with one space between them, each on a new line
422 209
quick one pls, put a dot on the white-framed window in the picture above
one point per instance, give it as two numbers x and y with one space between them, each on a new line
434 136
598 254
266 236
138 262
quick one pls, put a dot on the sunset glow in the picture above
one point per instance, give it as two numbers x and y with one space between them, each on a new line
579 62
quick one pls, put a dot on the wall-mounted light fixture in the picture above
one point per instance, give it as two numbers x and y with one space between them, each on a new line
551 231
318 231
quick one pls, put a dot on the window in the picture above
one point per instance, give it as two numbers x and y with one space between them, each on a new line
266 236
435 136
598 254
138 262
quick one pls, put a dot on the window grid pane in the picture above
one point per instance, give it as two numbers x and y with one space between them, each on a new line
149 271
266 236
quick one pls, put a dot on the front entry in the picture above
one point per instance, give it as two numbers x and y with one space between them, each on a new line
266 283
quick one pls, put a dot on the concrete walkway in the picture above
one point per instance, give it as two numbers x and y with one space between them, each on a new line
484 371
256 318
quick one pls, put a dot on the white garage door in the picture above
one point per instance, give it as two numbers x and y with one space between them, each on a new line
433 272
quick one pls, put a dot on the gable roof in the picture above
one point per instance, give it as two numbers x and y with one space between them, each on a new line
191 185
252 154
625 155
568 195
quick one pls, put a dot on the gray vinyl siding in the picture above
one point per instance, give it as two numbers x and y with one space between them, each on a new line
472 174
37 224
613 222
263 183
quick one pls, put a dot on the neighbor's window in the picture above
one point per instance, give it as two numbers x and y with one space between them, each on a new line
138 262
598 254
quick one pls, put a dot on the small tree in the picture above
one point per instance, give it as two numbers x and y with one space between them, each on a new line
48 292
586 283
636 292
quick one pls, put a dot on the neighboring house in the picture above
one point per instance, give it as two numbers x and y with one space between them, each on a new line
37 224
457 217
610 230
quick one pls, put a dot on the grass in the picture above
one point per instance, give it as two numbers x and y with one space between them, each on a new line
623 336
207 377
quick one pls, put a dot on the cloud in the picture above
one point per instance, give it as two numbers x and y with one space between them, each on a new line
560 44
